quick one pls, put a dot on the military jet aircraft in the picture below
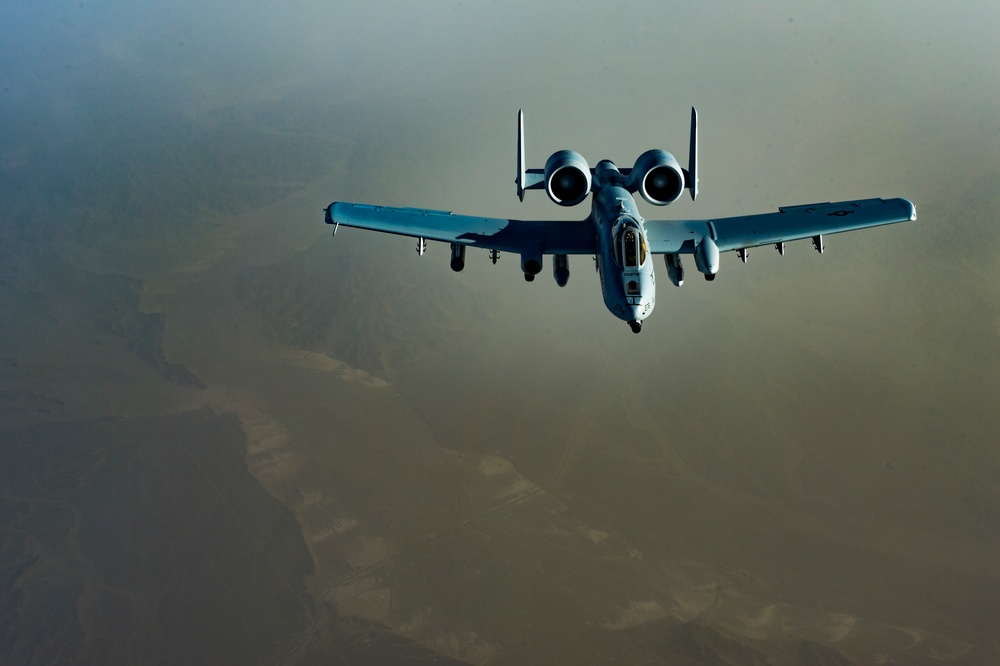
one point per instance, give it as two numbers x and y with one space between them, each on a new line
621 241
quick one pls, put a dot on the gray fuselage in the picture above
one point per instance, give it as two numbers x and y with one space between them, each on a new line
624 262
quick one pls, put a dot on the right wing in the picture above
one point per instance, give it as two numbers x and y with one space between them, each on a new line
788 224
519 236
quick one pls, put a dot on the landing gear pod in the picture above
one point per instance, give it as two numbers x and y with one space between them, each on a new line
531 264
706 257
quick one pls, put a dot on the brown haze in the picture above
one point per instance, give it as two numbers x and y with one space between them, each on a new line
229 438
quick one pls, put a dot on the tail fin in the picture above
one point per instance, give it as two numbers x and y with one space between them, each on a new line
692 170
520 155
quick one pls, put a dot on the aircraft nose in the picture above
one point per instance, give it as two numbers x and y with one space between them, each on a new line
642 310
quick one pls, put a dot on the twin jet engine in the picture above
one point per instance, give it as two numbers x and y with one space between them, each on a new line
656 176
568 180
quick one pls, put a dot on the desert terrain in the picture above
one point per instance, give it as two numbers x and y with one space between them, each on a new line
230 438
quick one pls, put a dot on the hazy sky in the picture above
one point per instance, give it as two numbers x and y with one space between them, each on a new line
812 434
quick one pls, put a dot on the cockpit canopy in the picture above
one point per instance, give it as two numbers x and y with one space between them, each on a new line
630 244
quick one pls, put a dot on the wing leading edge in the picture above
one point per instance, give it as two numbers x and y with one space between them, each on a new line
548 237
788 224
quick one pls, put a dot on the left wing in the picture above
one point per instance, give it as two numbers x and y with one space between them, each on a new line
788 224
520 236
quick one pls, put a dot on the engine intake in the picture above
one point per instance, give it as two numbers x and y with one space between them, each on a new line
657 177
567 178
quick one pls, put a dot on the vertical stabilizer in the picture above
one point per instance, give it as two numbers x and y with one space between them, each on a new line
692 171
520 155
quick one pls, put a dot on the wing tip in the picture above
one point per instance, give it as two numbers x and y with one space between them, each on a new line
909 210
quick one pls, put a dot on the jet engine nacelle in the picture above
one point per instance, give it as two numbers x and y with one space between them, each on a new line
567 178
657 177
